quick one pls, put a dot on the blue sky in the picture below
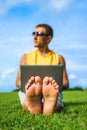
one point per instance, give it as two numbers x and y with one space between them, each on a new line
69 21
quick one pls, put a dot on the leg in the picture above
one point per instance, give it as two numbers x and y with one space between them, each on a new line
60 104
33 91
50 93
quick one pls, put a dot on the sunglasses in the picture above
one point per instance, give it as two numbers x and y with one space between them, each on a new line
39 34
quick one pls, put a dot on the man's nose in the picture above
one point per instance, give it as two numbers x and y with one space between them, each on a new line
35 36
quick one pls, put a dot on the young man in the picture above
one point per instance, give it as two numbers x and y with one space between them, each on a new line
42 96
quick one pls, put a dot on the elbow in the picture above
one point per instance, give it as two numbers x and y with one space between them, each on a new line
18 84
65 86
68 86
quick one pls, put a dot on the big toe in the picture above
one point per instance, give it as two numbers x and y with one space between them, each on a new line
38 80
46 81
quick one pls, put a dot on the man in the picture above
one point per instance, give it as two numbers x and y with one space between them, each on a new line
42 96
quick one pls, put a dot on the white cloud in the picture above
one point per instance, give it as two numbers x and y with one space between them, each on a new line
77 46
15 40
7 73
77 81
76 66
5 5
72 76
71 45
59 4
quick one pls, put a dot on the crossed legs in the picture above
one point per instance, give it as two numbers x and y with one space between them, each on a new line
35 90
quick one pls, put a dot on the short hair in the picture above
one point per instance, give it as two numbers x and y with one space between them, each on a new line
48 28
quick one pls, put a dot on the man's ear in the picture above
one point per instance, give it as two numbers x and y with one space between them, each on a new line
49 38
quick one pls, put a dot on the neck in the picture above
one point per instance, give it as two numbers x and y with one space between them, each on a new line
44 51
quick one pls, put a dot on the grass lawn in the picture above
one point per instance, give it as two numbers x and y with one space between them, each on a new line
72 117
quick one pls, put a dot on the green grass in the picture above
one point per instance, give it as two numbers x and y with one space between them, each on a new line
72 117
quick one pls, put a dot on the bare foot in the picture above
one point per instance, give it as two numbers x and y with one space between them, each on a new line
50 93
33 95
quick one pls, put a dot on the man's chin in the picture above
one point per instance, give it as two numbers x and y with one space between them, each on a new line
35 45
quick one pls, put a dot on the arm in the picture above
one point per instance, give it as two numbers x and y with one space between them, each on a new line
18 79
65 76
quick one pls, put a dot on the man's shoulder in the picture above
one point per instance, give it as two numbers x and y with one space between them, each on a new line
60 56
61 59
53 52
30 52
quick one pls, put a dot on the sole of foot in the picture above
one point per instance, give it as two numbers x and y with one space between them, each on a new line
50 93
33 90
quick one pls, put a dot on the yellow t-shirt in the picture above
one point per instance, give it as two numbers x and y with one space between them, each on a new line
35 58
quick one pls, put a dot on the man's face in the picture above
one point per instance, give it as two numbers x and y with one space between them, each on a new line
40 40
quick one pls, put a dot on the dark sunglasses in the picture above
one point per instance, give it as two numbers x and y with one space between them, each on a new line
39 34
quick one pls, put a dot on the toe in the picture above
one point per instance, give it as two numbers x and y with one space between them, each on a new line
38 80
32 79
46 80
